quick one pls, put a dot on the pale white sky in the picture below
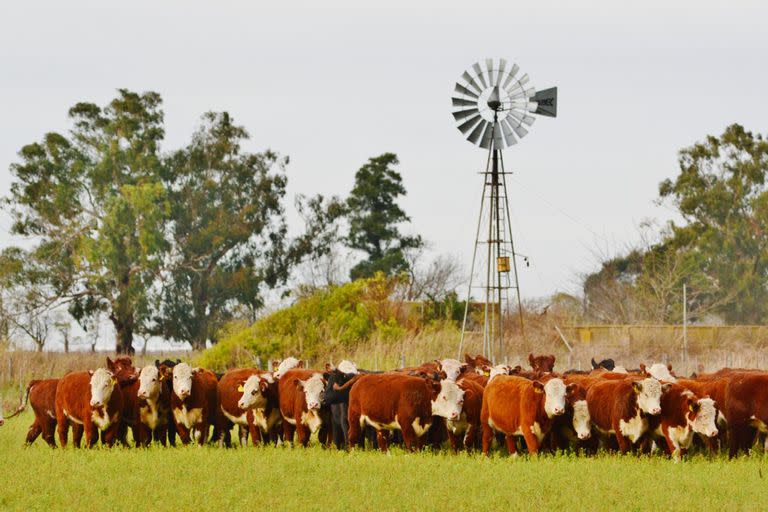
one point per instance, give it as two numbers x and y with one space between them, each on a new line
333 86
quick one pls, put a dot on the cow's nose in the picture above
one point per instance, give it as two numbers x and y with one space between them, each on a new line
95 403
656 410
142 394
559 410
314 405
585 435
713 433
454 415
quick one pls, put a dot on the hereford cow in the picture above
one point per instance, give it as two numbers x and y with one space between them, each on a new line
713 388
193 401
745 409
467 425
301 397
621 407
682 414
90 402
232 393
395 401
260 399
280 367
574 426
41 395
453 368
517 406
659 372
542 363
152 407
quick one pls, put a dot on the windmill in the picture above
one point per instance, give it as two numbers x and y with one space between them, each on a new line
494 106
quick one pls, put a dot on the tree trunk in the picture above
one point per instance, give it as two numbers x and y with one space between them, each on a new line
124 330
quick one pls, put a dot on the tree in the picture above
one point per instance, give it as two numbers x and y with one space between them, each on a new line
96 209
374 216
228 231
721 194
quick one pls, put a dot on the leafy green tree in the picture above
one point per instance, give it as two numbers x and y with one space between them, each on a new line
94 205
228 231
374 217
721 194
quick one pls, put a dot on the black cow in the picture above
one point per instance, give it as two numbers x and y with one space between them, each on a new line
169 383
608 364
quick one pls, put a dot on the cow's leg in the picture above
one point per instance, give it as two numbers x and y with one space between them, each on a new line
255 433
302 433
111 433
487 438
381 439
63 429
171 429
288 431
91 432
354 428
453 441
183 433
161 434
49 431
77 434
34 431
470 437
511 443
623 442
201 433
410 438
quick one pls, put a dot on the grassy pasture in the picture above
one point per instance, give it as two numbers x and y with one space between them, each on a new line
194 478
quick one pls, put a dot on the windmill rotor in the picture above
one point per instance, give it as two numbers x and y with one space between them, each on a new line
492 103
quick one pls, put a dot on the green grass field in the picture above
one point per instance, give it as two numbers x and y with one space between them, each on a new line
194 478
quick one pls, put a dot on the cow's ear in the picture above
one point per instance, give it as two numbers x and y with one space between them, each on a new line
694 407
538 387
90 372
530 358
275 365
666 387
637 387
263 385
110 363
669 367
570 389
594 364
467 358
241 387
178 361
301 364
435 385
196 370
157 363
298 383
462 369
642 369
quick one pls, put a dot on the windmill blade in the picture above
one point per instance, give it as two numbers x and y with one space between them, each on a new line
528 120
462 114
475 135
512 73
532 106
479 74
546 102
491 71
461 102
498 137
502 67
520 131
471 82
463 90
485 142
509 137
469 123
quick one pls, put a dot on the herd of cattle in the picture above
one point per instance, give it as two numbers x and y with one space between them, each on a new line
469 404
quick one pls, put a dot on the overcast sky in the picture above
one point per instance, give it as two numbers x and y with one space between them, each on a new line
332 86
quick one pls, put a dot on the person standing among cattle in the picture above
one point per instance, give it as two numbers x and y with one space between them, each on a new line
193 401
90 402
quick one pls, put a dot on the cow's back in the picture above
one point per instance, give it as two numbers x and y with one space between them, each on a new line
42 397
73 394
385 397
746 399
504 401
610 400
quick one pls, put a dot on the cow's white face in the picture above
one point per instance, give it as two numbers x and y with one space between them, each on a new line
314 390
452 368
499 369
648 395
582 423
182 380
253 393
150 383
347 367
102 384
449 401
554 397
660 372
705 422
285 365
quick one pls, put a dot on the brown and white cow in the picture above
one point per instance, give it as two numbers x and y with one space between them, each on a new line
289 363
745 409
393 401
516 406
263 416
90 402
193 401
621 407
575 425
467 425
683 414
242 393
152 406
301 397
41 396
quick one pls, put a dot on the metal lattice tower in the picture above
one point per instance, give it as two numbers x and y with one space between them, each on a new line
492 108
